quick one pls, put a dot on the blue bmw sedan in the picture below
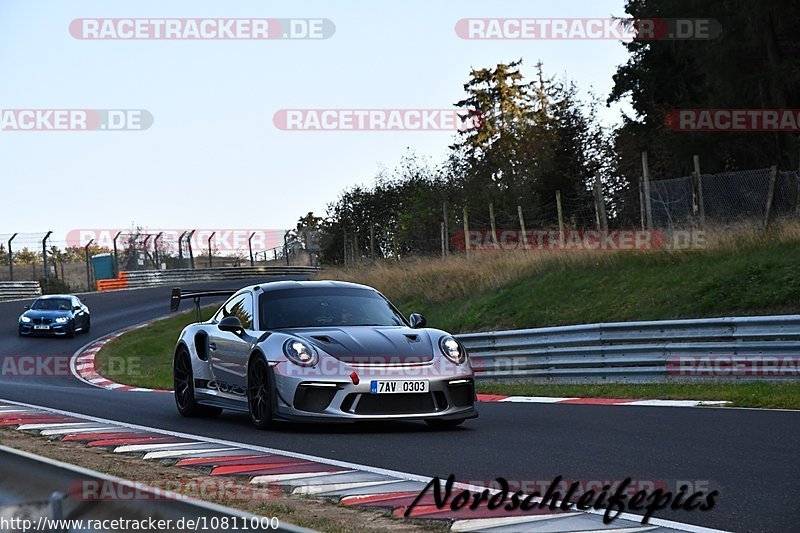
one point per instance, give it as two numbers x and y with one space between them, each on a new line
55 314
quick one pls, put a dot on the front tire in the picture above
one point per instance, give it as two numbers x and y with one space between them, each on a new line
436 423
88 325
259 393
183 381
71 332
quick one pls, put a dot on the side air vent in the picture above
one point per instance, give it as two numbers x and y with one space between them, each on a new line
412 337
201 345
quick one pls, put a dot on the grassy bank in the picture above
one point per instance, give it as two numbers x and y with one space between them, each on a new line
738 273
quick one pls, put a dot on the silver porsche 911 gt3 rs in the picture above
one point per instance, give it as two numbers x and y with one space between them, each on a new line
319 351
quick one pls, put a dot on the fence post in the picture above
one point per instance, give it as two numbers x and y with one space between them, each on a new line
344 247
773 174
494 226
372 242
466 232
210 261
394 247
641 207
701 206
648 207
600 205
560 219
444 253
44 258
116 257
11 258
446 227
523 237
146 240
88 270
180 247
250 247
189 246
285 246
155 250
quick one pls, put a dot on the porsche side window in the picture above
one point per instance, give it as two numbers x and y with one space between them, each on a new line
241 307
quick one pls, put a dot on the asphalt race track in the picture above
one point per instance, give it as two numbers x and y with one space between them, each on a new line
749 456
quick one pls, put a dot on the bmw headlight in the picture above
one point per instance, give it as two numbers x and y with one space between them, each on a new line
300 353
452 349
62 320
24 319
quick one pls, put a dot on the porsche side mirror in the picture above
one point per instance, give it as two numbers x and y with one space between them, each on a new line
231 324
417 320
76 308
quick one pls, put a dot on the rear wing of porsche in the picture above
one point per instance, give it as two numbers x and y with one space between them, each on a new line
178 295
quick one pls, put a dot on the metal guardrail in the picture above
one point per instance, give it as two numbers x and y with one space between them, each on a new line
635 351
150 278
38 489
12 290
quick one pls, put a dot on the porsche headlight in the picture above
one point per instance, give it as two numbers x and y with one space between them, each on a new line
300 353
452 349
62 320
24 319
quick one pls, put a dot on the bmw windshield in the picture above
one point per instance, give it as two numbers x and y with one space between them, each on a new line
321 307
51 304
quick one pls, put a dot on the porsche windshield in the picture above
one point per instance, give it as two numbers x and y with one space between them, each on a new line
51 304
326 306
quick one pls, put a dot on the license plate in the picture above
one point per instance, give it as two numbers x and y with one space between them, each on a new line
41 327
377 386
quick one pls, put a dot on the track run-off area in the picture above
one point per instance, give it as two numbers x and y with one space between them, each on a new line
750 456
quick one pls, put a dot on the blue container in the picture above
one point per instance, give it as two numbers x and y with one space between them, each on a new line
103 265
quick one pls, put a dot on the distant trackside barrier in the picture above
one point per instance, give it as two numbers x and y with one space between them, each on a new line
15 290
151 278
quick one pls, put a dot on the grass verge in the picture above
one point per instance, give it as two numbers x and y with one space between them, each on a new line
143 356
763 394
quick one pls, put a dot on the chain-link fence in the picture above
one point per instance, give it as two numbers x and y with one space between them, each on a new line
66 263
724 198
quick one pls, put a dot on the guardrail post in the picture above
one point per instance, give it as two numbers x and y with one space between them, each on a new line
209 248
44 258
11 258
250 247
116 257
189 246
88 271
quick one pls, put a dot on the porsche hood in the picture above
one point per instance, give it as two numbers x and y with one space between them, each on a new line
371 344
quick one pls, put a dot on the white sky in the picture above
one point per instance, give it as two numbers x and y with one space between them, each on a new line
213 158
